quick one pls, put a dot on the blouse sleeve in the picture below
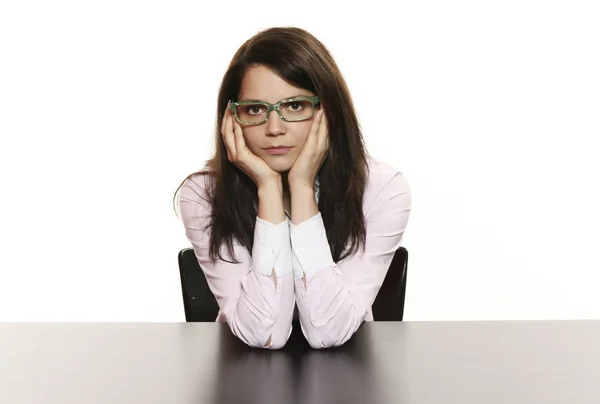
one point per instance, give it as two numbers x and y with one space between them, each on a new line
257 308
338 296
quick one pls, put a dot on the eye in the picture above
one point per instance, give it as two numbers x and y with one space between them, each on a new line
254 109
295 106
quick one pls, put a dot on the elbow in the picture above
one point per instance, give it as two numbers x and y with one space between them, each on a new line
321 339
322 335
329 342
320 344
268 336
269 342
277 342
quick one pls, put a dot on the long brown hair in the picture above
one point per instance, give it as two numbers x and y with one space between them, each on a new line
303 61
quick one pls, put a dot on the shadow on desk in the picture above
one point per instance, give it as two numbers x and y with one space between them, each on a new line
296 373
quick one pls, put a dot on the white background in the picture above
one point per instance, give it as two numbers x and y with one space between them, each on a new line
490 108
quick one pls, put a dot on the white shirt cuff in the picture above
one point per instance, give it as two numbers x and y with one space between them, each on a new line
272 248
310 247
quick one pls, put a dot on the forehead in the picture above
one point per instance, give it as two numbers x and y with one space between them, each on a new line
261 83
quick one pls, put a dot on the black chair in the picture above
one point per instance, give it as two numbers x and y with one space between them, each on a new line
200 304
389 303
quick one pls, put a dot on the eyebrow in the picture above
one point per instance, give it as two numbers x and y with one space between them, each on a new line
286 98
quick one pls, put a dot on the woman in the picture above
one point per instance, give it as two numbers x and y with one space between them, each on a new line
308 218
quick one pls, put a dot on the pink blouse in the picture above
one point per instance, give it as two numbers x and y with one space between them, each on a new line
337 297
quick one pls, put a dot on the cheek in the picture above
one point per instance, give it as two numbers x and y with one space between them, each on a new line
304 132
250 136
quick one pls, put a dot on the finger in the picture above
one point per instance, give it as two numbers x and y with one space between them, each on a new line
224 120
228 137
314 132
240 144
314 129
323 133
322 124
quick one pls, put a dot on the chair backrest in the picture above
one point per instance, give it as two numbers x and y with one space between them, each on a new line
389 303
200 304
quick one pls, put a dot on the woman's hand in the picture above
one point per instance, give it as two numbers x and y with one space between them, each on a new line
304 171
239 154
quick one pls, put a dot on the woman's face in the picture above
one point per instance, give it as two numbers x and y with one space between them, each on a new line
261 83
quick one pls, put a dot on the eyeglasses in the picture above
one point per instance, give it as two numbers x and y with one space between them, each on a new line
290 110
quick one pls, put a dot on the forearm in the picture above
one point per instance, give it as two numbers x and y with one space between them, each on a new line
304 206
270 202
328 312
263 314
304 203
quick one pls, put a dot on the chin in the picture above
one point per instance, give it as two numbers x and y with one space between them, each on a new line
280 165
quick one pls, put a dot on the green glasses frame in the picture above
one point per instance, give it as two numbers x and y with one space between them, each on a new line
273 107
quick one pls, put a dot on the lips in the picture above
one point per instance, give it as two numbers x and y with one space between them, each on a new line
278 150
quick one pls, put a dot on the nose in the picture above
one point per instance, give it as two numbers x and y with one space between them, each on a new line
275 126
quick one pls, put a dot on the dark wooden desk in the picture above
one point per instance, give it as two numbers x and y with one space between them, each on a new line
410 362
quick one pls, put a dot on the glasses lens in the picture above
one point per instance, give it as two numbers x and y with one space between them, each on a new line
252 113
297 110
